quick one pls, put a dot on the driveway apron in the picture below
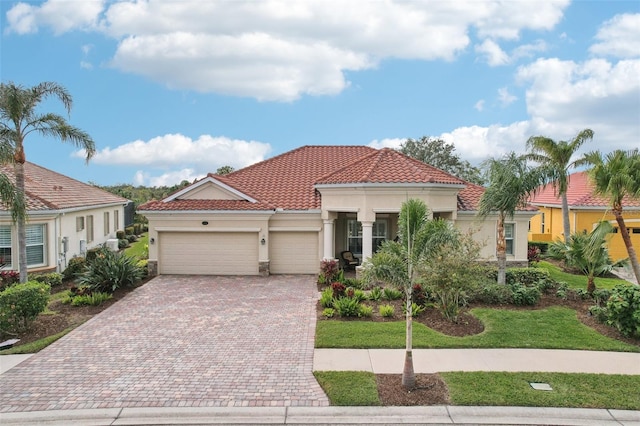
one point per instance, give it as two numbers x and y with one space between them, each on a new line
181 341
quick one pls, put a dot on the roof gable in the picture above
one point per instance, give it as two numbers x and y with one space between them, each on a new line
209 188
48 190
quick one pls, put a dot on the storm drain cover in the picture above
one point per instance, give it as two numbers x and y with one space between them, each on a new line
541 386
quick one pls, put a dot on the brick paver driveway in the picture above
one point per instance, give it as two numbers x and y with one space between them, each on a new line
181 341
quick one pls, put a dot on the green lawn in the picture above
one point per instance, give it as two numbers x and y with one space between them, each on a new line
551 328
140 248
578 281
500 389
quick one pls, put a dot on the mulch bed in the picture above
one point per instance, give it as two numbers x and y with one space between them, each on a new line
430 390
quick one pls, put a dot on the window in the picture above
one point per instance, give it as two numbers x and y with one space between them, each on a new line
354 235
79 223
542 224
35 238
106 223
509 231
635 230
5 246
116 220
89 228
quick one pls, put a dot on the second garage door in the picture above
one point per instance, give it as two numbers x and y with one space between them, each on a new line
294 253
208 253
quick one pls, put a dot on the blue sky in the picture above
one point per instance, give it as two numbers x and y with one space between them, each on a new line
171 90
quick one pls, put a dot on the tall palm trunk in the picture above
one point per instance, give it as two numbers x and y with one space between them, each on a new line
501 251
21 225
624 232
408 374
565 217
591 284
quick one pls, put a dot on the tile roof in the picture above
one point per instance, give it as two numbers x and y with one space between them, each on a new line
48 190
288 181
580 193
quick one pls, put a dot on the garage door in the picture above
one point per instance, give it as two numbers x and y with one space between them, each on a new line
208 253
294 253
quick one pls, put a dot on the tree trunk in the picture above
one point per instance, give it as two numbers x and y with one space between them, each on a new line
21 226
501 251
591 284
565 218
408 375
624 232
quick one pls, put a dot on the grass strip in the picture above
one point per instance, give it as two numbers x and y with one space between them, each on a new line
138 248
38 345
569 390
349 387
550 328
578 281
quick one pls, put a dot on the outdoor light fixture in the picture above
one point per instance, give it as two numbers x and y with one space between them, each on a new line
204 222
152 241
263 241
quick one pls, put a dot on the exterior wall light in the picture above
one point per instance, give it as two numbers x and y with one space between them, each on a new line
152 241
263 241
204 222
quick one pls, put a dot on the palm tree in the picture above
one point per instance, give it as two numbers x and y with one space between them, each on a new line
19 118
555 158
586 252
397 262
617 177
511 182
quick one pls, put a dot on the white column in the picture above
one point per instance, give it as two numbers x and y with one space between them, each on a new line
367 240
328 239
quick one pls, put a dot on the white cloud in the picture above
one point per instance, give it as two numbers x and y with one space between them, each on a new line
279 50
179 157
386 143
60 15
86 65
479 105
565 97
505 97
493 54
619 37
166 179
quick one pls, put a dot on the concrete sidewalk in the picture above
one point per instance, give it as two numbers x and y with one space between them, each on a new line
391 361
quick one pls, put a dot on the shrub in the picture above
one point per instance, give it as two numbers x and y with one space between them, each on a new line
328 312
92 253
128 230
541 245
120 235
124 243
20 304
525 296
390 293
8 277
624 310
415 309
563 291
533 254
582 293
600 312
74 267
53 278
326 298
329 270
132 238
365 311
110 271
418 295
347 307
375 294
93 299
387 311
495 294
601 296
352 282
338 289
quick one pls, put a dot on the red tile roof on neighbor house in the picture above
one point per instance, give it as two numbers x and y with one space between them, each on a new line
288 181
48 190
580 193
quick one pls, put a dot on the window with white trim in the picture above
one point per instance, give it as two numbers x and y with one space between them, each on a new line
89 228
36 243
79 223
509 232
116 220
106 223
5 246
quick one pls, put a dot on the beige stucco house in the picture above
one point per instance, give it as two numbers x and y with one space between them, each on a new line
285 214
65 218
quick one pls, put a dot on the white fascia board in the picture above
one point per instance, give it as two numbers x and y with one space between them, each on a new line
390 185
294 229
519 213
205 181
53 212
179 212
311 211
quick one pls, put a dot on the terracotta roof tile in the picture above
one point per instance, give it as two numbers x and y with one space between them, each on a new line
48 190
201 205
580 193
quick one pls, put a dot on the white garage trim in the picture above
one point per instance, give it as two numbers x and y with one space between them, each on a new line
294 252
208 253
205 229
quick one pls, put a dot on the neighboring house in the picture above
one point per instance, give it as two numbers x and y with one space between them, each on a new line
65 218
285 214
585 210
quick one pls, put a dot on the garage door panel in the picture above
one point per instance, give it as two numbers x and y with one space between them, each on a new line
294 253
208 253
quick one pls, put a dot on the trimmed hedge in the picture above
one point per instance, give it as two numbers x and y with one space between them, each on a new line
542 245
20 304
53 278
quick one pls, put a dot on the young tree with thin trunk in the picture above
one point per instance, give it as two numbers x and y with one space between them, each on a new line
511 182
617 177
398 262
18 119
555 158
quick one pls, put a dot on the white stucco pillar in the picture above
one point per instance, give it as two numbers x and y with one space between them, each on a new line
367 240
328 239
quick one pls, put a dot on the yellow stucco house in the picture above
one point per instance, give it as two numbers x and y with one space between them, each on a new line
585 210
